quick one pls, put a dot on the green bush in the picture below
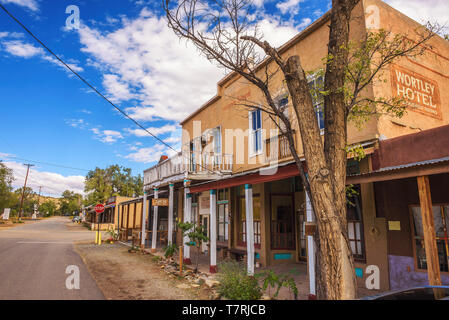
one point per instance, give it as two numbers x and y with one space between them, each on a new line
236 284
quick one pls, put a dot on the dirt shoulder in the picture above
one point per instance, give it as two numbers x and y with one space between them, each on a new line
9 224
134 276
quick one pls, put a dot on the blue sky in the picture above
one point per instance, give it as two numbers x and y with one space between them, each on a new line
124 48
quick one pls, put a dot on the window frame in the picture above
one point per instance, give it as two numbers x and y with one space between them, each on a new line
357 257
241 233
413 235
252 132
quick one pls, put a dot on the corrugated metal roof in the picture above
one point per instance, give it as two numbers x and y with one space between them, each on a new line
405 166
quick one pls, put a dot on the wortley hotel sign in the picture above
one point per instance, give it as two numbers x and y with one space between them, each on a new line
422 93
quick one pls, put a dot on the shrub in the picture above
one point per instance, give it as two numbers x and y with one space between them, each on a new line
236 284
170 250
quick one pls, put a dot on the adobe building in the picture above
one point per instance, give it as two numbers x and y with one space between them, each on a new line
223 185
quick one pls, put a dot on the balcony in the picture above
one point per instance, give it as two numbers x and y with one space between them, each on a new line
193 166
277 148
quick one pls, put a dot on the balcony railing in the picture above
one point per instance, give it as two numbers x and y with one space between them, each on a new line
208 162
193 163
278 148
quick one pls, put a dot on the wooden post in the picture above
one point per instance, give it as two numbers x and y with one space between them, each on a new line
249 229
187 218
180 260
310 251
213 231
430 242
155 214
144 220
170 214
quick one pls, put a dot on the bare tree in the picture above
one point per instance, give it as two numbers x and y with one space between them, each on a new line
225 32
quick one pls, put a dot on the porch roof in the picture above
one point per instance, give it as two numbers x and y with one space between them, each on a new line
282 171
410 170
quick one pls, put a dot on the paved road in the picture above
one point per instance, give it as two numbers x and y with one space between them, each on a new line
34 258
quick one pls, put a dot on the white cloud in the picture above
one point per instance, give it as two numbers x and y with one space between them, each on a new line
423 11
290 6
118 90
145 61
154 130
29 4
107 136
147 155
276 32
169 77
22 49
25 50
53 183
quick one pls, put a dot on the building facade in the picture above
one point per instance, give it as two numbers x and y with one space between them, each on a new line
236 176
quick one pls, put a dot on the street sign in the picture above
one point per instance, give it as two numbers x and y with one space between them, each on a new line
6 214
161 202
99 208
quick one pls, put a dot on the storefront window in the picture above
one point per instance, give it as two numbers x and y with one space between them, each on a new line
355 224
256 220
441 222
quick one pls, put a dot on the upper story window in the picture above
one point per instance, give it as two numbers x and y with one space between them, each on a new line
316 83
255 132
216 140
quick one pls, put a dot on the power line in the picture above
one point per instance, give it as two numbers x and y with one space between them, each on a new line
88 84
45 163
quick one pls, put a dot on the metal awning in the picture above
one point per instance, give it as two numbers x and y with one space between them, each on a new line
410 170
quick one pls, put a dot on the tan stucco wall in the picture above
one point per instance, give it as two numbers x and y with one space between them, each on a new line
225 112
433 65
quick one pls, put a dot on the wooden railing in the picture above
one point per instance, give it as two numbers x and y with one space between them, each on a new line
209 162
278 148
204 163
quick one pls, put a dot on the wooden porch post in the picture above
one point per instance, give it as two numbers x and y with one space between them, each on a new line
144 219
249 228
187 218
213 231
430 242
310 251
170 213
155 218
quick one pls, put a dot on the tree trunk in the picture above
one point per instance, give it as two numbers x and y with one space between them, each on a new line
335 270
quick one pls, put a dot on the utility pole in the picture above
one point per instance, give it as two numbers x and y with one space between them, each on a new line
24 186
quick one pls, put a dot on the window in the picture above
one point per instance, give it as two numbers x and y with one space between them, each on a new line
223 215
316 84
255 135
216 134
441 222
256 220
355 224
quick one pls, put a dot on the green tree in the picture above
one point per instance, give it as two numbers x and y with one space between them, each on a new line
48 208
6 179
115 180
70 202
29 200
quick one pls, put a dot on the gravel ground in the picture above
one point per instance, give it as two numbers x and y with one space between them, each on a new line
133 276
